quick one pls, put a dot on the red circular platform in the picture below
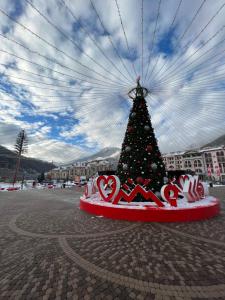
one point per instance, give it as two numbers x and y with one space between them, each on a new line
149 213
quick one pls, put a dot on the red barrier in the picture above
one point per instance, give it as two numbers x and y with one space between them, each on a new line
151 214
50 186
13 189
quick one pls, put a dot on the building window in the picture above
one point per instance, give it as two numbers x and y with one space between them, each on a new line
187 164
220 153
197 163
220 156
208 155
222 167
208 160
209 166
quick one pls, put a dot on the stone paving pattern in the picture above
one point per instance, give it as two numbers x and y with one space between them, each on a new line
52 250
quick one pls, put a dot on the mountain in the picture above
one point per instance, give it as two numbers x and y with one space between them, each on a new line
30 166
109 153
217 142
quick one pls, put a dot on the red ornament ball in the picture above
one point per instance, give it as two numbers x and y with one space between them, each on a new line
130 129
140 179
149 147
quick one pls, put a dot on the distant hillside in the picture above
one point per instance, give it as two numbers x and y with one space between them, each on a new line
109 153
217 142
30 166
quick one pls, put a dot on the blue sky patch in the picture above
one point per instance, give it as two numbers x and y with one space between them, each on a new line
165 43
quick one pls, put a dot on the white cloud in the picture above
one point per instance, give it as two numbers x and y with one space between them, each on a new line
56 151
185 107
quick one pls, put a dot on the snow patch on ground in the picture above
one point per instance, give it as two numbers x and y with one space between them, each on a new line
181 204
18 186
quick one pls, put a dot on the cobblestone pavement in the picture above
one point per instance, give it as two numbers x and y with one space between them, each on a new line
52 250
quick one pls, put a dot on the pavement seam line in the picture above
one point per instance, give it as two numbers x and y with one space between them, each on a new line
188 235
140 285
12 225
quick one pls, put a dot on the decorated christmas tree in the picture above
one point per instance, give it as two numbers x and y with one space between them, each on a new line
140 158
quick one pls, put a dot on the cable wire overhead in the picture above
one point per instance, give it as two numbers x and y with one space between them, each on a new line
71 40
153 39
125 36
53 46
83 28
170 28
192 41
110 40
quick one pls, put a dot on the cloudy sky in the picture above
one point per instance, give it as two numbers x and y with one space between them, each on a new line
66 67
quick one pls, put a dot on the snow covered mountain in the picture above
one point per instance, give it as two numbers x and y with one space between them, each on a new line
109 153
217 142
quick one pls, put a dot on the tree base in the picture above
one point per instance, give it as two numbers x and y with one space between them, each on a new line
147 212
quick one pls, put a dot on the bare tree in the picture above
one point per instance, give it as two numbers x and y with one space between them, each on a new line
21 147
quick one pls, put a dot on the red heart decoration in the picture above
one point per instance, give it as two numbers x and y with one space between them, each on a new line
103 182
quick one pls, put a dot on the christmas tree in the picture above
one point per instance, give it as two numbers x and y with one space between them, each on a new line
140 158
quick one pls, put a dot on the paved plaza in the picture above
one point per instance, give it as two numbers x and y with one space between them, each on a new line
52 250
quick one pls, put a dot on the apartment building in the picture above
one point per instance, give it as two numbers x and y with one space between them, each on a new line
206 162
87 169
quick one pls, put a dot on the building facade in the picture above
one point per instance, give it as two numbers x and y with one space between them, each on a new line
207 162
87 169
